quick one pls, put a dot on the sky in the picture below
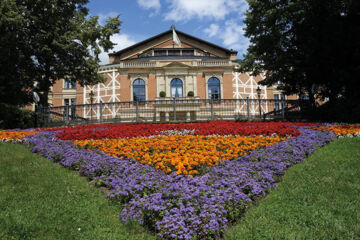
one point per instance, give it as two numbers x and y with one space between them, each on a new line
216 21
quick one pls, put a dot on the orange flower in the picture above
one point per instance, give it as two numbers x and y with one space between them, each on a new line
182 154
341 130
14 135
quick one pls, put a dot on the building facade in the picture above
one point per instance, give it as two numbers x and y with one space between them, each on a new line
174 64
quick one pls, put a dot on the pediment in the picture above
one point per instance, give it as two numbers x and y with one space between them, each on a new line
175 65
165 40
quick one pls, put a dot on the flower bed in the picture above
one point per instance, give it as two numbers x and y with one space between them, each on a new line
114 131
182 154
14 136
176 205
342 130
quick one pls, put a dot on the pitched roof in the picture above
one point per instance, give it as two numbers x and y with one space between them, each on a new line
167 32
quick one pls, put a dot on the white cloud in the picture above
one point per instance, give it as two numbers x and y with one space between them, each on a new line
150 4
122 41
184 10
212 30
231 34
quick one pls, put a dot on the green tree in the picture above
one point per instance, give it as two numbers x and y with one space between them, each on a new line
310 46
46 40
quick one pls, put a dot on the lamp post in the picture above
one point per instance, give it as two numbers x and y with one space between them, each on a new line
91 103
258 91
36 99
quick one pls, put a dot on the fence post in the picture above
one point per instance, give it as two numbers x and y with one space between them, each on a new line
259 109
101 114
264 114
137 110
174 105
283 109
48 116
212 108
248 108
66 114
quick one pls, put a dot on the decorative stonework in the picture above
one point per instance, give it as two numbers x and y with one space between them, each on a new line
103 92
247 88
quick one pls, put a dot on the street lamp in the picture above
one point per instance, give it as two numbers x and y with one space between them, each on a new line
91 102
258 91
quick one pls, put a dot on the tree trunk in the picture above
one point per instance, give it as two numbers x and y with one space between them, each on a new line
311 96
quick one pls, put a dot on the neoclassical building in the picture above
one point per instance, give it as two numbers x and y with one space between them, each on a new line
174 64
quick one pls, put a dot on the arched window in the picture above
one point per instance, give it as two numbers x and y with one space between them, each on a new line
214 88
139 90
176 86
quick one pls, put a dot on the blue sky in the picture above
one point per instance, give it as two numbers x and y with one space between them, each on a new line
216 21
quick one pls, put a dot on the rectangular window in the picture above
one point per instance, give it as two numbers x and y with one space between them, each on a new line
66 102
188 52
282 96
69 83
66 83
276 106
73 108
174 52
160 53
73 84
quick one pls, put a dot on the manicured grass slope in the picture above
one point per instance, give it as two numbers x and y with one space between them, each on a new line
318 199
42 200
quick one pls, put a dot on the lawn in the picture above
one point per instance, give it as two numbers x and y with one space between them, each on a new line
318 199
182 181
42 200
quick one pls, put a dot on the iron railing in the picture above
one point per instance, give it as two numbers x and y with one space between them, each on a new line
172 110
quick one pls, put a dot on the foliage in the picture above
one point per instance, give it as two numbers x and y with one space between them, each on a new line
318 199
43 41
309 46
190 94
13 116
40 200
343 110
162 94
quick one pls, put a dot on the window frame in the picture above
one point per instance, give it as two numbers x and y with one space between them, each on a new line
176 86
212 85
136 86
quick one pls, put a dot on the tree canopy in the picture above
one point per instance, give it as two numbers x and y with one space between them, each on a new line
46 40
309 46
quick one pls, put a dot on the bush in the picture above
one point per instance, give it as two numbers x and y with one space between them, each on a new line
340 111
190 94
13 116
162 94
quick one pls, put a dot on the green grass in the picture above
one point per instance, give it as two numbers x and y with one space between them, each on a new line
42 200
318 199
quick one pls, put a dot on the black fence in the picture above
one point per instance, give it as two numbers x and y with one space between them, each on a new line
172 110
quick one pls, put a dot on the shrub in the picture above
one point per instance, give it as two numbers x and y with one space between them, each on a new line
190 94
162 94
13 116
